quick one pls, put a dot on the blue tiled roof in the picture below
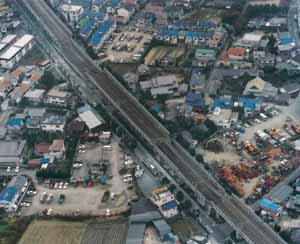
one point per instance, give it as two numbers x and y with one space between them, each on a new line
199 34
196 78
250 103
93 14
15 122
169 205
88 27
223 102
194 100
265 203
112 3
8 193
104 27
44 160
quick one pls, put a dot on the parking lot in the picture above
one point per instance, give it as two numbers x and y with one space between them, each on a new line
126 47
83 199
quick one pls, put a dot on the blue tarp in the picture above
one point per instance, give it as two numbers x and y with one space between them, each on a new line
223 102
8 193
15 122
169 205
98 35
250 103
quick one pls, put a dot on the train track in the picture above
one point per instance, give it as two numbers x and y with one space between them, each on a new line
235 212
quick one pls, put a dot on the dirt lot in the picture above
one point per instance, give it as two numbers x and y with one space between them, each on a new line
127 47
63 232
158 53
53 232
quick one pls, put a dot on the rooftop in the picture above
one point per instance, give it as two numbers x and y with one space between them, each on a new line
8 39
91 119
10 53
11 148
23 41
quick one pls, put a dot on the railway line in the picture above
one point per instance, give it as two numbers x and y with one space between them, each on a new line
235 212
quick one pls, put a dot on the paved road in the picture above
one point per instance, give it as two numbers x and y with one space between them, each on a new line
235 212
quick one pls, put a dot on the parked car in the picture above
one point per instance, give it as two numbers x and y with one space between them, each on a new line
61 198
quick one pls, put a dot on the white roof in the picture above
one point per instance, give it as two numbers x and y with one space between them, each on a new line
71 8
10 53
90 119
8 39
35 94
253 37
23 41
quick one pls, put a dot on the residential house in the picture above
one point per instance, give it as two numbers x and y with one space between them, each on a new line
35 96
71 12
5 88
57 149
165 201
197 81
57 97
132 80
53 123
205 57
260 88
35 117
19 92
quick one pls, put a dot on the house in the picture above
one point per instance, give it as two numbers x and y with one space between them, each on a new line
71 12
12 195
5 88
205 54
10 57
223 118
197 81
57 97
260 88
292 89
132 80
35 116
53 123
224 102
194 100
12 152
165 201
160 85
15 123
57 149
35 96
236 54
41 149
19 92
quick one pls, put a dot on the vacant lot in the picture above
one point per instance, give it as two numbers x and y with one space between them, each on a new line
156 54
53 232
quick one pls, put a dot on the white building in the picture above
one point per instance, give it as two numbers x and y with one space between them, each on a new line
10 57
12 195
165 201
54 123
223 118
25 42
57 97
72 12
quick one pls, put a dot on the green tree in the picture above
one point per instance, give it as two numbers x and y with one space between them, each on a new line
180 196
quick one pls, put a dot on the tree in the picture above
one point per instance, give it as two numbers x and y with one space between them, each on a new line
187 204
165 181
180 196
48 80
172 188
199 158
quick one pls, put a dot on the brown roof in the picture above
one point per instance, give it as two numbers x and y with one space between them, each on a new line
235 51
57 145
5 84
35 76
41 148
16 73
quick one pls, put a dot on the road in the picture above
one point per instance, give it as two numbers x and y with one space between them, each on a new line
236 213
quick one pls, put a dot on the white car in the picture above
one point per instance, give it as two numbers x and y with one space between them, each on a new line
247 126
17 169
60 186
55 185
25 204
66 185
8 169
257 121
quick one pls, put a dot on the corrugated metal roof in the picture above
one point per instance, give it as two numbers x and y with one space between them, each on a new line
136 233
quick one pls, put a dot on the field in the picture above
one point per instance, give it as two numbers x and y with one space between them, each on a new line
156 54
105 233
65 232
53 232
